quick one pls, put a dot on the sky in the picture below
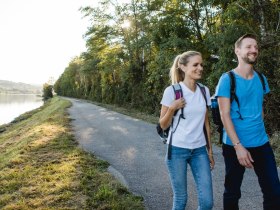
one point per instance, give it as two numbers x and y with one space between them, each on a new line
38 38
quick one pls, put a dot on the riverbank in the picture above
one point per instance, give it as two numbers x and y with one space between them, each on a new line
42 167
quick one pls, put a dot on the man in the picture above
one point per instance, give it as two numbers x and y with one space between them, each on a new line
245 142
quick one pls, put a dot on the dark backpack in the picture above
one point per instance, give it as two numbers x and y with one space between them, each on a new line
215 106
164 133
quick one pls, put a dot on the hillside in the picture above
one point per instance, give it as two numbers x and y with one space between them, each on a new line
9 87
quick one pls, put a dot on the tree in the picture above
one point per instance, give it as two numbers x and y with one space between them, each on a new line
47 91
130 66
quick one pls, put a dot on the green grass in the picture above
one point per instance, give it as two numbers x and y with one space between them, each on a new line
274 140
41 166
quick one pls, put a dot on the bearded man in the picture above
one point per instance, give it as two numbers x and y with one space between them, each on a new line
245 141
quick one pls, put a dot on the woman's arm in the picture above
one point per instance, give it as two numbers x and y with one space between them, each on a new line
207 125
167 113
208 131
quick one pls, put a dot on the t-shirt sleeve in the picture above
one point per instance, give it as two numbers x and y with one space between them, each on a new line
208 96
223 87
267 89
168 97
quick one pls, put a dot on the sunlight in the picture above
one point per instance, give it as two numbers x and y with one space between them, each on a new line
126 24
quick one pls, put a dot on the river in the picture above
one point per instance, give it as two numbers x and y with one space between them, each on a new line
13 105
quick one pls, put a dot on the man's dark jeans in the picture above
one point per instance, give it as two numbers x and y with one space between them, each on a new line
265 168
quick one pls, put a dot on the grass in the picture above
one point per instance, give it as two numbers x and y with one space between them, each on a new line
41 166
274 140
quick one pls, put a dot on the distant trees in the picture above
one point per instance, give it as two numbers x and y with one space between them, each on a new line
8 87
129 65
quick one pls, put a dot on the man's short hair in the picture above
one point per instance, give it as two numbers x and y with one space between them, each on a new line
239 41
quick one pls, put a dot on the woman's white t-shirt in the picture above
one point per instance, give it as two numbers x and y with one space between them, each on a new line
189 133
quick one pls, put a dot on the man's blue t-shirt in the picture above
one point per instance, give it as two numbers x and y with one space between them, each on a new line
250 131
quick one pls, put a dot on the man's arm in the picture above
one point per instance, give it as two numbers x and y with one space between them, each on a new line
243 155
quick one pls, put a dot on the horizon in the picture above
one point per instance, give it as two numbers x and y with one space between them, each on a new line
21 82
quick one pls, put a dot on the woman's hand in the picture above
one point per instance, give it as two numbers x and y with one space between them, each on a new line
167 113
212 162
178 104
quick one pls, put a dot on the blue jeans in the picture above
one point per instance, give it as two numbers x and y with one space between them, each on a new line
265 169
200 166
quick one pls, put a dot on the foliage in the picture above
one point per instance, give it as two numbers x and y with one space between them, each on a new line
47 91
129 66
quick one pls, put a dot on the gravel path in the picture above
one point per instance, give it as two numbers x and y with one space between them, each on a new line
136 156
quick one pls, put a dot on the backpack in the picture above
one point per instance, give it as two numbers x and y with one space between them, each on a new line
178 94
164 133
215 106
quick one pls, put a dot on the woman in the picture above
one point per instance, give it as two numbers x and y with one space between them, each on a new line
188 138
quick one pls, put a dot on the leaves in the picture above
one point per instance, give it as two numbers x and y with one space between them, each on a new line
130 65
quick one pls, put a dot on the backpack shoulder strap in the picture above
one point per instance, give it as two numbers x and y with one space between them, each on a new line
232 85
233 95
178 94
177 91
203 91
261 78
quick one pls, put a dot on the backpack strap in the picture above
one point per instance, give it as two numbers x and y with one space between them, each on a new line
233 95
203 91
177 90
178 94
262 80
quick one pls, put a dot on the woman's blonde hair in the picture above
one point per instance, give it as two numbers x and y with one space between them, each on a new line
176 74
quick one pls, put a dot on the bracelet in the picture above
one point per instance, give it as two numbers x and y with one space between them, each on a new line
236 144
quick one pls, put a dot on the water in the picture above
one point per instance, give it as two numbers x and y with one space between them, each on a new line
11 106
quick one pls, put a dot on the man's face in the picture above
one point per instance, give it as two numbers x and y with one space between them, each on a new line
248 51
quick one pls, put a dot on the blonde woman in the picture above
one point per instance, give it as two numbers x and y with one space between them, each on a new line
187 138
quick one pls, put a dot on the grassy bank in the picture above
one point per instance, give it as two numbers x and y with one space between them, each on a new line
41 167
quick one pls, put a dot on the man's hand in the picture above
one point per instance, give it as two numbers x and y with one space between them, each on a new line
244 156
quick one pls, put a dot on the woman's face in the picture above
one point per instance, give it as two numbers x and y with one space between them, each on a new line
193 69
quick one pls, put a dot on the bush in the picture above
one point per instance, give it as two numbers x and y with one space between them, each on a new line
47 91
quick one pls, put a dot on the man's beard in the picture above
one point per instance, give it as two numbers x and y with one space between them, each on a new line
249 61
